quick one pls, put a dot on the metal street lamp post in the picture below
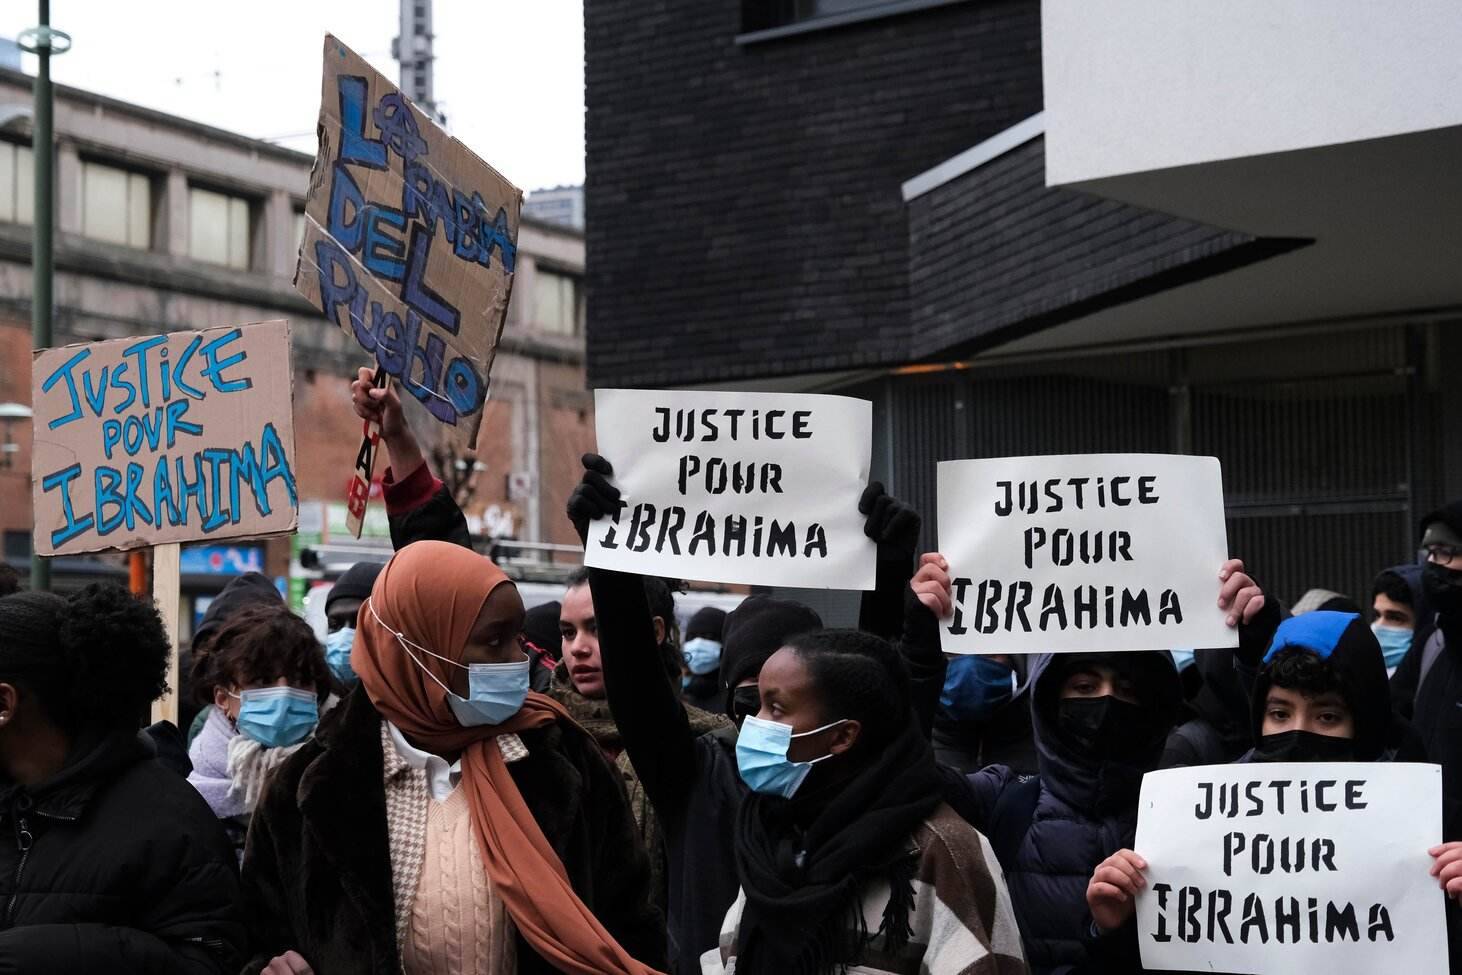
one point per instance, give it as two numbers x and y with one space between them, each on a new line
42 41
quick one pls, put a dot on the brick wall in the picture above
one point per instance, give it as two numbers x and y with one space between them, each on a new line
566 419
15 388
743 202
994 253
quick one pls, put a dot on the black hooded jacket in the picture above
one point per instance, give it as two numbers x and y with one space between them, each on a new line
116 865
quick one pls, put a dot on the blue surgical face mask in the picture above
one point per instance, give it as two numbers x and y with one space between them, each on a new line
702 656
1394 643
495 692
975 686
337 653
277 716
1182 659
761 756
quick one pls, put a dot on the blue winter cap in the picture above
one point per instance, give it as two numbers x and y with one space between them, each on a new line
1319 632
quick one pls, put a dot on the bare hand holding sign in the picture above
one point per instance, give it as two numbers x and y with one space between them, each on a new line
757 488
1083 552
1285 867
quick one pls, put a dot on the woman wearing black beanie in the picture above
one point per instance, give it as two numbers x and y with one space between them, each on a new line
114 864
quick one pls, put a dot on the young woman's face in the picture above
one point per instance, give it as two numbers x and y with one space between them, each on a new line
496 637
581 641
789 696
1323 714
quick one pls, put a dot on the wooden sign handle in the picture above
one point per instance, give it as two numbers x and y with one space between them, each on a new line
166 593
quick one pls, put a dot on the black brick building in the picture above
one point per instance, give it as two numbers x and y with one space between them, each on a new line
845 195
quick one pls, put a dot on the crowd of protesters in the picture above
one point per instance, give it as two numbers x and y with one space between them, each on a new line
451 783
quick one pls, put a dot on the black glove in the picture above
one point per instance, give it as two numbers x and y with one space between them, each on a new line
891 523
594 497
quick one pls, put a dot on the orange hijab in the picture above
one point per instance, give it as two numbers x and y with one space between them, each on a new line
432 592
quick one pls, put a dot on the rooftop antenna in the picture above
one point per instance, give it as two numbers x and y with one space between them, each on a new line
413 51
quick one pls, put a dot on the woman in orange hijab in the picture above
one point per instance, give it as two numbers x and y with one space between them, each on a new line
445 820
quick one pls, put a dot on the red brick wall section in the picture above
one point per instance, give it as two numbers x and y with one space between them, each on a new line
566 433
495 452
326 435
15 388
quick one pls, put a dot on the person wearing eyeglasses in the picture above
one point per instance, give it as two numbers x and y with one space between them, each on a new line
1427 686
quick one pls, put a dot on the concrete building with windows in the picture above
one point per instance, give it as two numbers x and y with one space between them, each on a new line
164 223
1025 227
559 204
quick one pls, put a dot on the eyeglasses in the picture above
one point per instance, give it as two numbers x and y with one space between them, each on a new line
1441 553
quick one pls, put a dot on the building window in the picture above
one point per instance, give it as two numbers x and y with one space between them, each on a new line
558 303
116 205
17 183
759 15
218 228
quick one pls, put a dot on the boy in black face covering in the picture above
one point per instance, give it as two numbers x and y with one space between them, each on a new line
1320 696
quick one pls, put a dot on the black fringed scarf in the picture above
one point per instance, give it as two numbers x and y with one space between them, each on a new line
803 912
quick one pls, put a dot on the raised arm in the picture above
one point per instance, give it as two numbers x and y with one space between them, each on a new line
417 502
646 709
895 527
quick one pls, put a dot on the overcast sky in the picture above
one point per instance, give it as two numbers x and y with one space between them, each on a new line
509 73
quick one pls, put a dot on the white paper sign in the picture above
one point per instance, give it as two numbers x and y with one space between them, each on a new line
1292 867
753 488
1083 552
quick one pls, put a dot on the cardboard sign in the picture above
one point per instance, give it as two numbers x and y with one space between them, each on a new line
1293 867
1083 552
164 438
410 242
755 488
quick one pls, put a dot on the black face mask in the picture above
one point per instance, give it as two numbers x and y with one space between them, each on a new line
1304 746
745 702
1443 587
1106 728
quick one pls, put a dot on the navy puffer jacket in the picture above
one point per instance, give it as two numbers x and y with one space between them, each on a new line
1051 832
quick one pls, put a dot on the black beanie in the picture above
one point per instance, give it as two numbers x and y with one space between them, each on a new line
541 628
1449 518
249 589
709 623
355 583
755 630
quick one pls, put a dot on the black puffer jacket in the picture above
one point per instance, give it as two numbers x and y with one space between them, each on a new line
116 865
1051 831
